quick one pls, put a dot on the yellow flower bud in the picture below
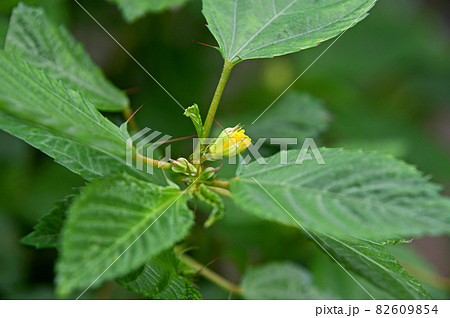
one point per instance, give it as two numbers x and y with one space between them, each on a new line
230 142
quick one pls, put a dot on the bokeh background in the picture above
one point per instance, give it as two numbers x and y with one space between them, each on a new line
385 83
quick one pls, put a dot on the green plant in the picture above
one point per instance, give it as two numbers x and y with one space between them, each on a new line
129 226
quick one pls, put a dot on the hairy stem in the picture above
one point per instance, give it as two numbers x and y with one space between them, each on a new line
153 162
227 67
210 275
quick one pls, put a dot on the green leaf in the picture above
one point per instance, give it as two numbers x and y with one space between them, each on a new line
278 281
118 216
61 122
33 38
253 29
296 114
46 233
359 194
372 261
159 279
135 9
194 113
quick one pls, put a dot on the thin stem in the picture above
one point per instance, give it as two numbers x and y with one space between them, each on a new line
210 275
424 275
227 67
153 162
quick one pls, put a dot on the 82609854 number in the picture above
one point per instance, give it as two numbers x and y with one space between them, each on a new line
406 309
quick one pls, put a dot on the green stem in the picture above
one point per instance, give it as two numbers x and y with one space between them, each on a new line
210 275
153 162
227 67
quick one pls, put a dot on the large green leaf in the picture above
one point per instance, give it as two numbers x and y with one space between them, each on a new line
372 261
278 281
60 122
46 233
118 216
33 38
135 9
359 194
250 29
296 114
159 279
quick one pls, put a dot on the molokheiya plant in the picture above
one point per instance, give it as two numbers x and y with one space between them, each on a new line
128 225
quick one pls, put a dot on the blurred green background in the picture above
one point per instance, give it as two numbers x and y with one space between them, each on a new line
386 84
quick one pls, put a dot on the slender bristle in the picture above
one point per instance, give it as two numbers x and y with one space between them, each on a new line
173 140
218 123
132 115
204 44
